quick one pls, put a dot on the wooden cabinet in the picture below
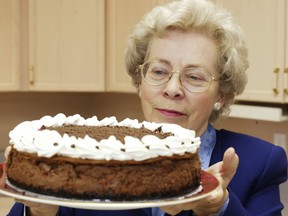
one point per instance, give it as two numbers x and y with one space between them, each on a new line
9 35
67 41
63 44
66 45
264 24
76 45
121 17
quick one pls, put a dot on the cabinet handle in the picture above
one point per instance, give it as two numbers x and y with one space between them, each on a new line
286 81
276 72
31 74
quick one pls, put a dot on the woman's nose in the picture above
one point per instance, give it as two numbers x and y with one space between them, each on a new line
173 87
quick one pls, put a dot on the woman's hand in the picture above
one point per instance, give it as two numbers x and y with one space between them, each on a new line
6 153
35 209
224 172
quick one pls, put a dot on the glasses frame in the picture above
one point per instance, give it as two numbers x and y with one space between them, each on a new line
180 77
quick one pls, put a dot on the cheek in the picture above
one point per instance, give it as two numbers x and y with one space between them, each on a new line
145 96
149 98
146 93
203 104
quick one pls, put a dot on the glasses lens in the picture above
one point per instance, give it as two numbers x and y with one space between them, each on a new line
196 79
156 73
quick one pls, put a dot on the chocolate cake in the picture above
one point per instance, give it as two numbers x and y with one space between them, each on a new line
79 158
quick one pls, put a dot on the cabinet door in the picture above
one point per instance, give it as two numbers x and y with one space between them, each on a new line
9 73
121 17
66 48
264 24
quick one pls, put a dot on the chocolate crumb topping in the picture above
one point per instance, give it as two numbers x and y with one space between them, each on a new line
103 132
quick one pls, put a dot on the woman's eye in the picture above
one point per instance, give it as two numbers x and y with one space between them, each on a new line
159 72
196 77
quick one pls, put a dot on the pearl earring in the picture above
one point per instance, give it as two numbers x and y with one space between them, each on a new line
217 106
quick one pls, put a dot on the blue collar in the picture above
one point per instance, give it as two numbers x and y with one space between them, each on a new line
208 141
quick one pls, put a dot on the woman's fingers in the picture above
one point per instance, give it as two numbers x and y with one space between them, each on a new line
7 151
229 166
224 172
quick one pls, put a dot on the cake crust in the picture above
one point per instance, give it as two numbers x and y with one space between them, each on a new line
83 179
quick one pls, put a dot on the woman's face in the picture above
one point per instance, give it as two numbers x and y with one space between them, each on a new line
171 102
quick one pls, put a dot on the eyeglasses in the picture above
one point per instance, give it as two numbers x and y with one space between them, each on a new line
194 79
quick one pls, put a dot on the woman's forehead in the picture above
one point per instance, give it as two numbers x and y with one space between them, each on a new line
180 48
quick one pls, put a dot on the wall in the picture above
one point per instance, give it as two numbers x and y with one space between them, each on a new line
262 129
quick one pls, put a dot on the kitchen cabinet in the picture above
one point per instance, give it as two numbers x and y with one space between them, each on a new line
9 35
44 45
63 44
265 24
66 55
66 45
121 17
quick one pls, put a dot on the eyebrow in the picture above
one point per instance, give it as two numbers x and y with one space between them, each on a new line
162 61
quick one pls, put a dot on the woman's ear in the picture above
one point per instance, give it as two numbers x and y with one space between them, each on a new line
222 99
139 90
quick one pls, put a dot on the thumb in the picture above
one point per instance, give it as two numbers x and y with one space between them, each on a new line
229 166
7 151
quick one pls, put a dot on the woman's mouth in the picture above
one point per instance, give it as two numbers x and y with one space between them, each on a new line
170 113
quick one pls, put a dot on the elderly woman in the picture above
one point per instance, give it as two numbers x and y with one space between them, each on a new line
188 61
